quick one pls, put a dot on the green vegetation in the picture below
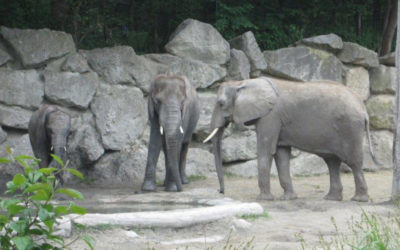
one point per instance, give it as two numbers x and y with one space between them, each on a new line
147 25
253 217
29 218
196 177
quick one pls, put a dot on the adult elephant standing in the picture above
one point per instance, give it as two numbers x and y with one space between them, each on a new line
49 128
173 113
321 117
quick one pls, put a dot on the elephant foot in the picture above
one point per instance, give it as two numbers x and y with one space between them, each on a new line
266 197
171 187
185 180
289 196
360 198
148 185
333 196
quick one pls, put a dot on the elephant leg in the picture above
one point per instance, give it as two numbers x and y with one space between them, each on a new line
361 193
335 188
182 163
152 158
282 160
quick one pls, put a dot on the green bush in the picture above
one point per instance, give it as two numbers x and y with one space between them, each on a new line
29 217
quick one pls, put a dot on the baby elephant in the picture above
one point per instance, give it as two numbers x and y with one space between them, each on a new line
173 113
48 128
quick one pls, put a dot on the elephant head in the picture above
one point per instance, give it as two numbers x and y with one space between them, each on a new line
242 102
168 104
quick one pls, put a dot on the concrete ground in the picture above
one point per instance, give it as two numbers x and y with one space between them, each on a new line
285 225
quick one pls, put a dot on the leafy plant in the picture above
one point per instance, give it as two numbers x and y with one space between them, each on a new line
29 218
254 217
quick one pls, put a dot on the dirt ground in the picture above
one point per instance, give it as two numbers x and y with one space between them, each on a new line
287 222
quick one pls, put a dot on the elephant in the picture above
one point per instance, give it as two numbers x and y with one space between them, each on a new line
173 111
321 117
49 127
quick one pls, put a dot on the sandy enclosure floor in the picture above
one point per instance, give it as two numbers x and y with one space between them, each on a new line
308 217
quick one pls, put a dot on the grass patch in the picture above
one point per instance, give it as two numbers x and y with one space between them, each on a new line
101 227
196 177
230 175
253 217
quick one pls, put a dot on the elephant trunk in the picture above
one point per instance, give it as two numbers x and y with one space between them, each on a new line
59 148
218 159
173 127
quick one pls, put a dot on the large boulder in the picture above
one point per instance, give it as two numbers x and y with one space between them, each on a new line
207 102
239 66
388 59
330 42
3 135
380 111
382 143
70 89
239 147
4 57
248 44
14 117
196 40
247 169
200 75
120 114
36 47
303 64
357 80
200 162
307 164
353 53
75 62
383 80
165 58
21 87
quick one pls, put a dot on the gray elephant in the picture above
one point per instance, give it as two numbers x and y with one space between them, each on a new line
173 112
49 128
321 117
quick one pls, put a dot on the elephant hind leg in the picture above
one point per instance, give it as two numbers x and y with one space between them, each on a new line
182 163
282 160
336 187
361 193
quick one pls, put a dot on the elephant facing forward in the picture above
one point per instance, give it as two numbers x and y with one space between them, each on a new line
49 128
173 113
321 117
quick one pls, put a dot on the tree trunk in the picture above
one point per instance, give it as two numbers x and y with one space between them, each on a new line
389 28
396 140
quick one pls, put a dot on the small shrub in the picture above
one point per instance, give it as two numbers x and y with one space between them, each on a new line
254 217
28 217
196 177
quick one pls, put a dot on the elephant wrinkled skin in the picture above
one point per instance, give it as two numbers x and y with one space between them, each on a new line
173 112
321 117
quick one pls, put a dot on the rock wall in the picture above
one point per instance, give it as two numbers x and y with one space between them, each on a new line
105 92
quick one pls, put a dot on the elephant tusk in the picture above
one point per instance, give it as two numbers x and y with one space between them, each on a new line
65 149
181 129
161 130
51 148
211 135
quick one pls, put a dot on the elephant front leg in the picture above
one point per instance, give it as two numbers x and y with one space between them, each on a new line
282 160
182 163
264 171
336 187
152 158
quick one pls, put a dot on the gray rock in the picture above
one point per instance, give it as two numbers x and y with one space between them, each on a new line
382 142
357 80
4 57
55 65
14 117
303 64
330 42
79 119
358 55
21 87
75 62
35 47
380 111
120 115
239 146
248 169
383 80
196 40
3 135
86 143
166 59
207 102
308 164
241 224
120 168
70 89
248 44
200 162
200 75
239 66
388 59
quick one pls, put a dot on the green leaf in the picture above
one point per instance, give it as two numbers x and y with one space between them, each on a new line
43 214
3 219
19 180
22 242
89 240
49 224
61 210
47 171
39 186
75 172
15 209
8 150
71 193
23 163
6 203
19 226
4 160
36 232
40 195
77 209
57 159
25 157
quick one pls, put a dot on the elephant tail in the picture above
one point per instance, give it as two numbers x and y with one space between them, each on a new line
371 151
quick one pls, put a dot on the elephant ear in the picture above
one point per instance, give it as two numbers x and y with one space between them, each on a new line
254 99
